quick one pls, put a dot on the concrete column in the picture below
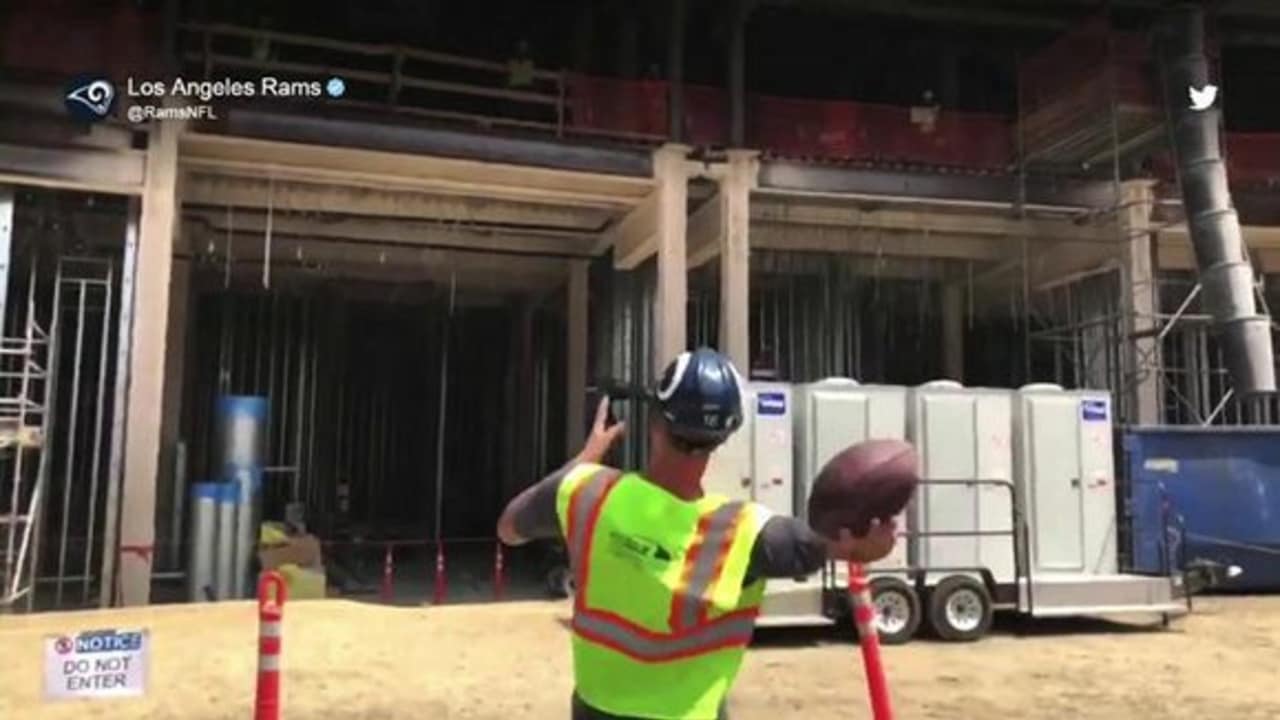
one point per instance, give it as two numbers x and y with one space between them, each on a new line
576 357
1141 302
735 257
953 332
143 413
671 297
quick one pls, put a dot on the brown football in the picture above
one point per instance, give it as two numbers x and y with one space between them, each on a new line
871 480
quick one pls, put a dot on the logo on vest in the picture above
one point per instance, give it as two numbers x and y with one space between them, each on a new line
639 551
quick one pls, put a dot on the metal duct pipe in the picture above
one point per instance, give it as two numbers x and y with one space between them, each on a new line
1225 274
202 562
242 432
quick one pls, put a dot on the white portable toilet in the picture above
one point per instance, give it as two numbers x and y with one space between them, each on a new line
755 462
1065 471
963 434
835 413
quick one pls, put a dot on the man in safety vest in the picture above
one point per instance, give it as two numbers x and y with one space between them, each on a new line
669 579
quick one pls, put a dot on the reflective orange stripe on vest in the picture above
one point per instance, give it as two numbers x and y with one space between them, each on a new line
692 633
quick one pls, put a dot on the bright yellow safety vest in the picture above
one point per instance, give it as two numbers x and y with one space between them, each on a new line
661 620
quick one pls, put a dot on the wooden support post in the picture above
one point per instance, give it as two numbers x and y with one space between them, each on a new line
671 298
150 301
576 357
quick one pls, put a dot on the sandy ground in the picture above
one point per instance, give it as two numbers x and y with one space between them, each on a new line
351 660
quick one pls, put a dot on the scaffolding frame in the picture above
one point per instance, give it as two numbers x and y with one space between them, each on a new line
1102 350
25 420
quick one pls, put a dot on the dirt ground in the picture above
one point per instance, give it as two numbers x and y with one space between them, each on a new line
346 660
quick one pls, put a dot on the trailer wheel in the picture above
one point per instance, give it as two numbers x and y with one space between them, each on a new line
960 609
897 610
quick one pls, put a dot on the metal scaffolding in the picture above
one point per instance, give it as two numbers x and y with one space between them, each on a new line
24 425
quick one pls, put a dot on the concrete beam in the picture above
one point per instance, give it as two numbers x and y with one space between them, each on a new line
705 231
203 189
672 293
398 232
934 221
1173 254
308 127
998 191
779 236
28 127
576 356
249 248
281 160
115 172
391 282
1256 237
146 367
635 237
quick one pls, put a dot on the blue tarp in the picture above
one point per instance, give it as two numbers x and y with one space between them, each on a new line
1223 482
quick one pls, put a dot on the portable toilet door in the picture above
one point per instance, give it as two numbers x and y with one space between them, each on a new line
963 434
1066 473
772 453
835 413
729 469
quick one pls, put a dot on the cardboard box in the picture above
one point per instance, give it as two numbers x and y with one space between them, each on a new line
300 550
303 583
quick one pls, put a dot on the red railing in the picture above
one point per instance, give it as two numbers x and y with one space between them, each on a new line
60 37
1254 158
845 130
706 115
616 107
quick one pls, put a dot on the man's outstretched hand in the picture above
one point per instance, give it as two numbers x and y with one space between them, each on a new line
602 436
877 543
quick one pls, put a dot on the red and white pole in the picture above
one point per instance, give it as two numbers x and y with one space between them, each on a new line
271 597
499 578
441 580
388 573
864 615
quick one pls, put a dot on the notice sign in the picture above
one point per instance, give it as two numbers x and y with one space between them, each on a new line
95 664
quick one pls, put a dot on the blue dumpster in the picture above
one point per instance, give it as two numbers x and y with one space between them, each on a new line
1223 482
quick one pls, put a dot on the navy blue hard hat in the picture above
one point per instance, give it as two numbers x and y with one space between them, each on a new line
700 397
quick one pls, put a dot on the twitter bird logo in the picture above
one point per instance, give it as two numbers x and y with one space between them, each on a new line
1203 98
